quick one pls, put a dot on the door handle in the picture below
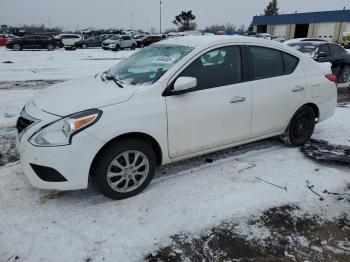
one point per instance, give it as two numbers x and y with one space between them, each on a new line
298 89
237 99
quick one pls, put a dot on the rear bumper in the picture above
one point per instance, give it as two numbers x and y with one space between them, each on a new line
327 109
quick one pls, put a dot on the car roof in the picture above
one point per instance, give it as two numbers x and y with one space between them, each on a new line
210 40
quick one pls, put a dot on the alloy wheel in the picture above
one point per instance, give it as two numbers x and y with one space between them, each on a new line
128 171
17 47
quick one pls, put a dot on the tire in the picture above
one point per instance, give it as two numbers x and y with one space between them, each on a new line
133 47
300 128
84 46
50 47
344 77
142 46
17 47
120 183
117 48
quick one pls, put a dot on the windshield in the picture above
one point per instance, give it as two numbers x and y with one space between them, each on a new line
114 37
347 38
148 65
305 47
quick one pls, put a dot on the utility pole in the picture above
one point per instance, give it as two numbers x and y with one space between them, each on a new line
131 25
160 16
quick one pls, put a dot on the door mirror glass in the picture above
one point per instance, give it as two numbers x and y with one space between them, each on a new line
185 83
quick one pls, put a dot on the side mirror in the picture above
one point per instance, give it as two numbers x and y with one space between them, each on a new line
184 83
322 55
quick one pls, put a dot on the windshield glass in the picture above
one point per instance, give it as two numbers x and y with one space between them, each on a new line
114 37
305 47
347 38
148 65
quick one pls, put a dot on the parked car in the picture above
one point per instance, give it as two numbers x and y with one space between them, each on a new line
327 52
174 100
118 42
280 39
298 40
5 38
34 42
93 41
148 40
265 36
69 40
138 36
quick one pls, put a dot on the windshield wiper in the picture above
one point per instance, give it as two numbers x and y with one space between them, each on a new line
115 80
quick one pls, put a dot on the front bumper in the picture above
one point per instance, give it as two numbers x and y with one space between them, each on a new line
72 161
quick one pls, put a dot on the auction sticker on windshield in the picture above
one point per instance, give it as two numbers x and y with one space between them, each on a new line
164 60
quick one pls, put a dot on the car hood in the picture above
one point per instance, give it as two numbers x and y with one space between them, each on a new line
109 41
81 94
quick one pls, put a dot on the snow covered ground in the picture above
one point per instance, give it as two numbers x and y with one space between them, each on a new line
189 197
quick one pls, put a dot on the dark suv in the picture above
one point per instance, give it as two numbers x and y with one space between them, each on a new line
34 42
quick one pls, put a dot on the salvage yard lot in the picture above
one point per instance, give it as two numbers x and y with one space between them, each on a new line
247 202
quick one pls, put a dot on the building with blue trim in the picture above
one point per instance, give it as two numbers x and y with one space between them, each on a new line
329 25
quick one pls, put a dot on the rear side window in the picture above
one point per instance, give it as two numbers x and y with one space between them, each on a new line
266 62
219 67
290 63
269 62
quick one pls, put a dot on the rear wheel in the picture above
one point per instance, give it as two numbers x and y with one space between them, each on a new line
125 169
133 47
300 128
17 47
344 77
142 45
50 47
84 46
117 48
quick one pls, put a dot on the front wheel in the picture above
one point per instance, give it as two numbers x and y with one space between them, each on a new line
117 48
125 169
50 47
300 128
133 47
17 47
84 46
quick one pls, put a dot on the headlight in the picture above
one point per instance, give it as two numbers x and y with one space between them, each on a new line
60 133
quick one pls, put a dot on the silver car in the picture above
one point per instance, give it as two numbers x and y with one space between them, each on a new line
118 42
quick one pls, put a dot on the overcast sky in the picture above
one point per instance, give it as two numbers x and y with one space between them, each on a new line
81 14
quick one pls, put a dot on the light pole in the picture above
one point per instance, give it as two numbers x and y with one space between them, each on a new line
160 16
131 25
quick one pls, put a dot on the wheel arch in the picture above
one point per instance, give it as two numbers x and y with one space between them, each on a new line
314 107
134 135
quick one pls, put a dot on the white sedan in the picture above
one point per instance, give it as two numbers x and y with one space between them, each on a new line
174 100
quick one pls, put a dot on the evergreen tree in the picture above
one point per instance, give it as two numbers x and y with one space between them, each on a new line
185 21
272 8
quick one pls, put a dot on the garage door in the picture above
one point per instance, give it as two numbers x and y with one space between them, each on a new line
347 28
326 31
279 31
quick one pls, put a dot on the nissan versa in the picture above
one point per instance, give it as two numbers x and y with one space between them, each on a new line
174 100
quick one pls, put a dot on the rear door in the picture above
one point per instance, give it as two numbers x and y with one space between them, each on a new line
30 42
278 89
215 113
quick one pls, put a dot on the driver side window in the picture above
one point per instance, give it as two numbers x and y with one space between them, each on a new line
219 67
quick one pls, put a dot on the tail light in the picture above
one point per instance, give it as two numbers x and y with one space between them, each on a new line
332 78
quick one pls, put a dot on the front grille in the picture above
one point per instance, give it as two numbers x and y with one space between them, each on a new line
22 124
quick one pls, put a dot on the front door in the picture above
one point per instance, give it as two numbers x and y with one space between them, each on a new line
215 113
